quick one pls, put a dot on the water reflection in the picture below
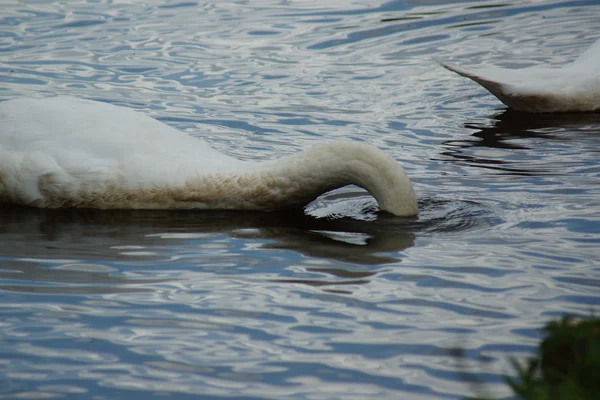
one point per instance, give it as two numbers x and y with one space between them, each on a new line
93 251
513 130
515 124
33 276
94 235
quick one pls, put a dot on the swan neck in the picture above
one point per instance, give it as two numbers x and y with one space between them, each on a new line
302 177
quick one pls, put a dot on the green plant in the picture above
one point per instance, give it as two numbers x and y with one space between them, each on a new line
567 366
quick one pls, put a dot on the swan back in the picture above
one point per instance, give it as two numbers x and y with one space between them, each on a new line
72 129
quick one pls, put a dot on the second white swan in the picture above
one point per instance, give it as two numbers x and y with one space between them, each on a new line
573 88
68 152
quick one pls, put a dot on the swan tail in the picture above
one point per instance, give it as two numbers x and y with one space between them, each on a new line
527 98
589 58
498 89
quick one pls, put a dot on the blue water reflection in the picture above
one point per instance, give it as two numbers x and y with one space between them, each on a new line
335 301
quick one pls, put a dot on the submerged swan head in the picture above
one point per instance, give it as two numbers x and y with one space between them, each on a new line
68 152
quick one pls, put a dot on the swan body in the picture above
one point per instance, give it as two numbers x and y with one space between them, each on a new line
69 152
574 87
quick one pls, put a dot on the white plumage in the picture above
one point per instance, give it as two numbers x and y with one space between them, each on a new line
69 152
573 88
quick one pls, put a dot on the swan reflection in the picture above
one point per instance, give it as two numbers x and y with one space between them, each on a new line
493 144
88 242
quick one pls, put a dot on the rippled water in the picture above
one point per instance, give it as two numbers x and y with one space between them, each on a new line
337 301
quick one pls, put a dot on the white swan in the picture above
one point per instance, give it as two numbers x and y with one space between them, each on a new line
68 152
574 87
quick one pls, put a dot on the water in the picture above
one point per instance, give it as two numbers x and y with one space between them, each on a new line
337 301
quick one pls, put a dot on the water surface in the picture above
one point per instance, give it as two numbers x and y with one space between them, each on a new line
337 300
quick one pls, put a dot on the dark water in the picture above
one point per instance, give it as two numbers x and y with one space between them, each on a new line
338 300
